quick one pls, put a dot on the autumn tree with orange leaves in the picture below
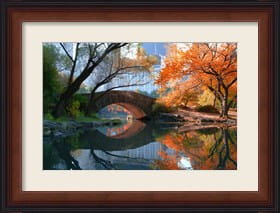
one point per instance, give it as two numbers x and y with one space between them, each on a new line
204 66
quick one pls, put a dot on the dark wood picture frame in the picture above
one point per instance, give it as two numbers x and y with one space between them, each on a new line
14 13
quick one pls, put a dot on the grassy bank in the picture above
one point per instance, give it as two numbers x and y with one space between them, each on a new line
82 118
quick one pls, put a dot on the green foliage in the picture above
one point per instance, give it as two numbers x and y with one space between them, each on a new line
90 118
93 116
207 108
77 106
83 100
62 119
158 108
51 84
48 116
79 118
74 109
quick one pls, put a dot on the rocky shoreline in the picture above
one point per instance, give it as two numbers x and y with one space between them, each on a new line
194 118
183 120
55 129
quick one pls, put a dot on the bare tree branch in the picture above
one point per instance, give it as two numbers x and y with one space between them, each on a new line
74 65
231 83
67 53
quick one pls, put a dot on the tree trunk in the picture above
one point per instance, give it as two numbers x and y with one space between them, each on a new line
225 108
225 105
64 98
90 102
214 102
59 108
223 112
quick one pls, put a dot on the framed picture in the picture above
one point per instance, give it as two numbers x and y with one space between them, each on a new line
139 105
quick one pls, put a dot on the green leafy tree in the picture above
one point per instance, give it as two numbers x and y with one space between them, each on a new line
51 84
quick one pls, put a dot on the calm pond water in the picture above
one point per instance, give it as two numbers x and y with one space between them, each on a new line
136 145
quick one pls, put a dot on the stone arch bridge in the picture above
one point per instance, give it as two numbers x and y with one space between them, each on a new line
139 105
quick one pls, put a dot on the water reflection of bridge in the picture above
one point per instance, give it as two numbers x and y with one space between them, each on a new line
129 139
125 130
95 150
134 148
139 158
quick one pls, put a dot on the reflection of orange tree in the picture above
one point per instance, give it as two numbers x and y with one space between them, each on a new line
167 162
205 151
172 141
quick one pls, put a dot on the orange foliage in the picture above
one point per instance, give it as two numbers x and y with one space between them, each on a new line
210 66
172 141
181 95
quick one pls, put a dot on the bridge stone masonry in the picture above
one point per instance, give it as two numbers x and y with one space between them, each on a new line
139 105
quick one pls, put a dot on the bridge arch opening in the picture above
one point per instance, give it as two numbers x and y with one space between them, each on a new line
129 126
131 110
138 104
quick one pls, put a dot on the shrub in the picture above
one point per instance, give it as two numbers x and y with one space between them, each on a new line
83 100
74 109
48 116
158 107
93 115
51 85
207 108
